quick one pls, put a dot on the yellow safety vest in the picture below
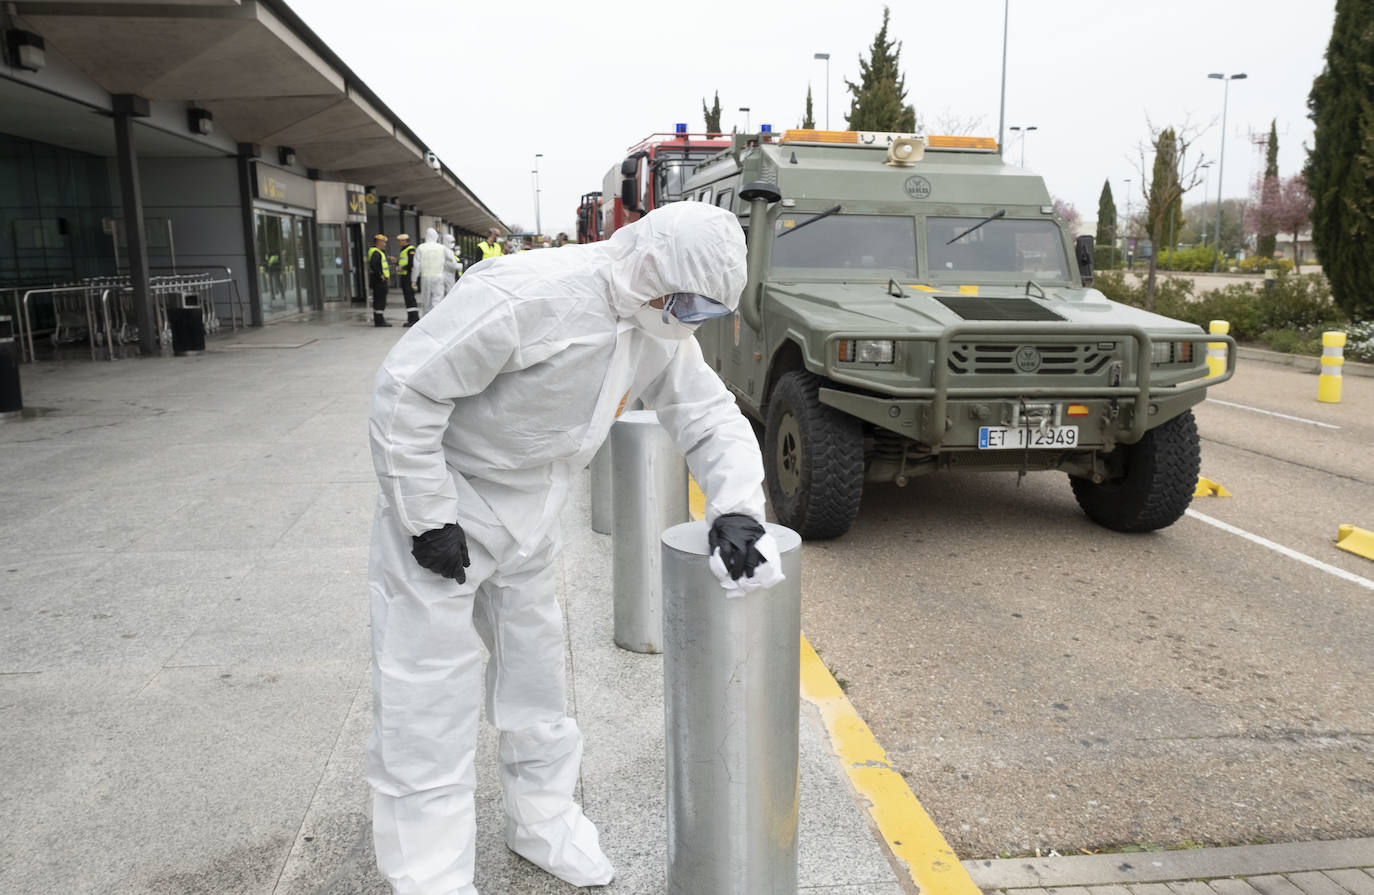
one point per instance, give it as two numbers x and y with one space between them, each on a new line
386 268
403 262
490 251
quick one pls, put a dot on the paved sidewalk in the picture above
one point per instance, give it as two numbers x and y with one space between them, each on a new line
184 643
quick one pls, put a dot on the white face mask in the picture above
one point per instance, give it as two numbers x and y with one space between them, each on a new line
650 320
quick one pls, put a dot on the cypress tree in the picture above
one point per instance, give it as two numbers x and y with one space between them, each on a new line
1265 243
809 122
712 115
1106 216
878 103
1340 166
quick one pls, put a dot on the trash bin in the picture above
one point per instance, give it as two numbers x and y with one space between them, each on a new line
187 324
11 400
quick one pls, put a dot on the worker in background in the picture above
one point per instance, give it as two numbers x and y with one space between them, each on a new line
378 272
453 268
491 246
405 269
430 263
560 241
482 419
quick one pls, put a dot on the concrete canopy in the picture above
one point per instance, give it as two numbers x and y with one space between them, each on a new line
265 77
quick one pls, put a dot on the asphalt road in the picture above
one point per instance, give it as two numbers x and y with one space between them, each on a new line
1044 683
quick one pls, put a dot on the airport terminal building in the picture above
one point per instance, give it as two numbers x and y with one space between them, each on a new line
251 155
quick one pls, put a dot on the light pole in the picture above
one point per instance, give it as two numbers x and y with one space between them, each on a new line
1024 131
1002 109
826 57
745 110
1126 242
538 228
1221 157
1206 187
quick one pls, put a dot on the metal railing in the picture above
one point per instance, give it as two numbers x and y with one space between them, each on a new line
103 309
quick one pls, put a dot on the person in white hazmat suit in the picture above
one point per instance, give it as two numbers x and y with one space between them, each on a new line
452 266
429 263
482 415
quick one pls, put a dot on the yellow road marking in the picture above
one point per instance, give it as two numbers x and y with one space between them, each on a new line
906 828
1359 541
968 290
1208 488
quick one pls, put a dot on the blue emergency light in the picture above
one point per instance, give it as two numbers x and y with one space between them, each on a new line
680 127
765 128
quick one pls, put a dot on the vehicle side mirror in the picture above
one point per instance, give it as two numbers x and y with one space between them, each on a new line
629 167
629 193
1083 248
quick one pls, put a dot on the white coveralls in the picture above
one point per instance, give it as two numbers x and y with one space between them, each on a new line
483 413
452 267
429 263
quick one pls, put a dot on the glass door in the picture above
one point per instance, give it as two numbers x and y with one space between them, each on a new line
272 263
332 262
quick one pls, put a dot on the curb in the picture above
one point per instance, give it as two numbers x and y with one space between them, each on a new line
1146 867
1307 363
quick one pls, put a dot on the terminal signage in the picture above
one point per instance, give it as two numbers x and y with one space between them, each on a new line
283 186
357 202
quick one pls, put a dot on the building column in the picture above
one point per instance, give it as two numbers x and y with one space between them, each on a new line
127 107
244 160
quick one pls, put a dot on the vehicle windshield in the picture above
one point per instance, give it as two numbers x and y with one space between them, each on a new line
884 245
671 176
1026 248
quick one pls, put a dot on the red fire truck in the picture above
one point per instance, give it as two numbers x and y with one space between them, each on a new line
589 218
652 174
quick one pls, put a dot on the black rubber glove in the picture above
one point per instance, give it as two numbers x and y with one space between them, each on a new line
735 534
444 551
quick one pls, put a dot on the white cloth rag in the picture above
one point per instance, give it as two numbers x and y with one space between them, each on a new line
767 574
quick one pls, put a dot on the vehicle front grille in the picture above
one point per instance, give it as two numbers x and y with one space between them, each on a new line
1055 360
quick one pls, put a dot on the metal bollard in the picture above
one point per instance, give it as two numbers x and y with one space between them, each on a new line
1333 358
11 395
601 489
1216 351
648 494
730 701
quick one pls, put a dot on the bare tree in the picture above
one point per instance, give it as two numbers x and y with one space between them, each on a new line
1069 215
956 125
1163 182
1293 212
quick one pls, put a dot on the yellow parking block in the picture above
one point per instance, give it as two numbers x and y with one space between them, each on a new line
1359 541
1208 488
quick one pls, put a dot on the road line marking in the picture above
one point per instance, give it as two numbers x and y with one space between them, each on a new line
1286 551
905 826
910 834
1296 419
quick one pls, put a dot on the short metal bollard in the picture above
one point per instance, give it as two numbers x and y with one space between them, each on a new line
730 700
11 396
601 489
648 494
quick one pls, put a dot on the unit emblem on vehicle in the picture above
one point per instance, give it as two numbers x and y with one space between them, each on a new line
917 187
1027 359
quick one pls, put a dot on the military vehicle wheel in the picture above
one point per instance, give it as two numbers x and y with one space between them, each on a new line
813 459
1159 475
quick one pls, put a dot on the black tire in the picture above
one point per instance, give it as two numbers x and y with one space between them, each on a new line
813 459
1159 475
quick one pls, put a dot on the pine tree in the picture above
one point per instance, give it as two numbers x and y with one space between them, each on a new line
1106 216
878 103
712 115
1340 167
1265 243
809 122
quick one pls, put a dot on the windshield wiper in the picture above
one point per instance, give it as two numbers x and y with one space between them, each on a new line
824 214
1000 213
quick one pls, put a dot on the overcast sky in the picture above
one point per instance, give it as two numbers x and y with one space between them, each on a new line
487 86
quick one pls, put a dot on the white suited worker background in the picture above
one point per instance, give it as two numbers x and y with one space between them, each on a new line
483 413
429 264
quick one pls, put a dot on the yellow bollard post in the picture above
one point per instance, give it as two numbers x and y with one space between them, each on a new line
1216 351
1333 357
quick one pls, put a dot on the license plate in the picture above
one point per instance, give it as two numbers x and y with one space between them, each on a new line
1006 438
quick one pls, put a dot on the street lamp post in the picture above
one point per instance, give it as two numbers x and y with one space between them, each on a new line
538 228
745 110
1221 157
826 57
1206 188
1002 109
1024 131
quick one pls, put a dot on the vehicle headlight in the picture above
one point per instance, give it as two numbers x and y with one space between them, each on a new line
1171 353
1160 352
866 351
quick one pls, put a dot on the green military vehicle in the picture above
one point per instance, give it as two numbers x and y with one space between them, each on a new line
915 304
